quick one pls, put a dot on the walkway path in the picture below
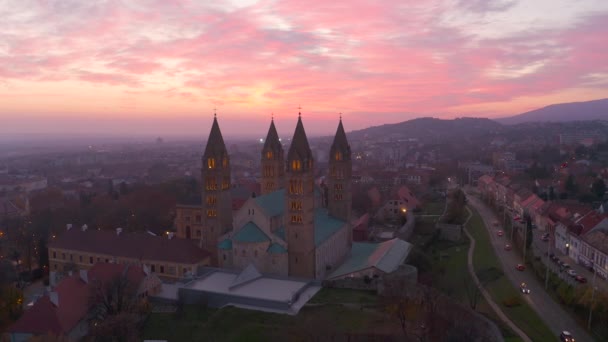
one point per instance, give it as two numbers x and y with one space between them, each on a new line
485 293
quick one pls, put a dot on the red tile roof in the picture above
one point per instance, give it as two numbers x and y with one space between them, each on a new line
74 300
44 317
590 220
141 246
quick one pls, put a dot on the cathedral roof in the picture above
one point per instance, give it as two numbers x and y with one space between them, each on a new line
272 142
215 143
325 225
276 248
225 244
299 148
340 142
272 203
250 233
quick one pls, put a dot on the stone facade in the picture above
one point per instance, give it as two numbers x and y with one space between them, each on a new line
294 227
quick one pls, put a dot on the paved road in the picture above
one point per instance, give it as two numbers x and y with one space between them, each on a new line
554 316
485 293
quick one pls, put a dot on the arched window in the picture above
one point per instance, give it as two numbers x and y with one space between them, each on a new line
211 163
269 155
296 165
225 162
338 156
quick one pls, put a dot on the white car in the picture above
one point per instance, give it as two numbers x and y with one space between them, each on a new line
572 273
524 288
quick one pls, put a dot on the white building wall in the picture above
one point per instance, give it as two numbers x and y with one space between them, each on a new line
561 238
575 247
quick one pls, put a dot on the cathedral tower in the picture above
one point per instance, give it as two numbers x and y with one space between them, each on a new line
216 199
299 206
273 173
339 197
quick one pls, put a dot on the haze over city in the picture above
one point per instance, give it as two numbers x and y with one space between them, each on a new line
105 67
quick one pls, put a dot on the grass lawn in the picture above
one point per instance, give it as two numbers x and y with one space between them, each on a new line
485 259
454 279
339 296
433 208
233 324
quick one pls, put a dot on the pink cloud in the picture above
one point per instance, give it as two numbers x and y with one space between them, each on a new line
367 57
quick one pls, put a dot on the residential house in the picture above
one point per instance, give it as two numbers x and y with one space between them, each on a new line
595 250
67 310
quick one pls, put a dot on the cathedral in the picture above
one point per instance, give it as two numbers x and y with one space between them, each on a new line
294 227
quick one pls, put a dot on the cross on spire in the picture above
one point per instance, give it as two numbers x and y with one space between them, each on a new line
299 111
340 116
214 112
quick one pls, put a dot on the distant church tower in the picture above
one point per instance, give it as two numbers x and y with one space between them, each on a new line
339 201
216 199
273 172
299 196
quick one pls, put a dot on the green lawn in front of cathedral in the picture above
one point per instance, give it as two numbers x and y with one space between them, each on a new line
233 324
341 296
501 288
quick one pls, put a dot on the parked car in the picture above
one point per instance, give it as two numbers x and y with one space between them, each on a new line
580 279
545 237
565 265
524 288
507 247
520 267
500 233
565 336
572 273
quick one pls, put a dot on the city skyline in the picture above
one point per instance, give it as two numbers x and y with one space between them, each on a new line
163 66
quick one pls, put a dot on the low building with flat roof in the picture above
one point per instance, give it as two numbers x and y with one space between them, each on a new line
247 289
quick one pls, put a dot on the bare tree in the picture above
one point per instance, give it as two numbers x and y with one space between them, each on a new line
114 296
118 311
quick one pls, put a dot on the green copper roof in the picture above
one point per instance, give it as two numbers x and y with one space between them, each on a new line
385 256
275 248
226 244
250 233
273 203
325 225
280 232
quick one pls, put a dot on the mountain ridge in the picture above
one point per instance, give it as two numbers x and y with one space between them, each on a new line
562 112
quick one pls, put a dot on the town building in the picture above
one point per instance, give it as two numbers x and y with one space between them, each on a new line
165 256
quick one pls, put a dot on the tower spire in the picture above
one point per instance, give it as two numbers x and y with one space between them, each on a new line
299 149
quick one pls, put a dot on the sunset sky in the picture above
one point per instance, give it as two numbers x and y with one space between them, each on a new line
161 66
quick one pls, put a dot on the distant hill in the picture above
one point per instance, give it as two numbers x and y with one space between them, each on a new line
563 112
431 128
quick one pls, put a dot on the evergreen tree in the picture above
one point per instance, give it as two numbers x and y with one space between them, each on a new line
571 185
599 188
